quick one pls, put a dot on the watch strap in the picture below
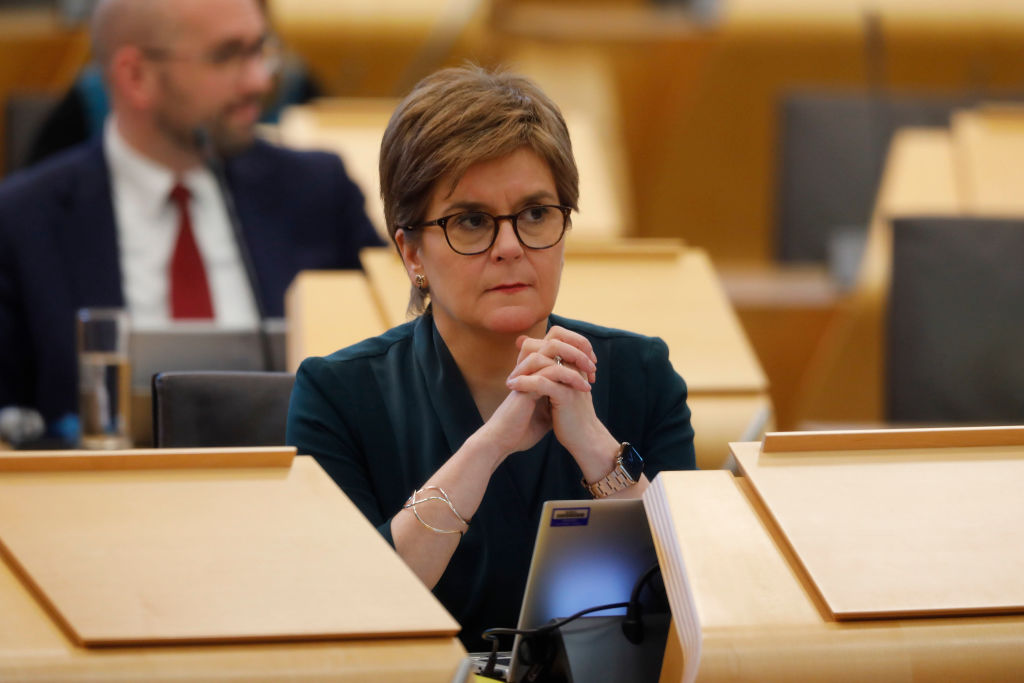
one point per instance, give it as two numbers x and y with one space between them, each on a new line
613 482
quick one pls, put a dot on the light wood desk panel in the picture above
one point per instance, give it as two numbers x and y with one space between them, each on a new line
755 618
327 311
33 647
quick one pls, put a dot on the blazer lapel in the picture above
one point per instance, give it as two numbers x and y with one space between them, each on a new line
87 235
449 394
252 193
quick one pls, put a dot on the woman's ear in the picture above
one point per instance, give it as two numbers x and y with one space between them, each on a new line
410 254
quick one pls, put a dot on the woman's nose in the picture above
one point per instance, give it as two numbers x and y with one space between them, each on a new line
506 243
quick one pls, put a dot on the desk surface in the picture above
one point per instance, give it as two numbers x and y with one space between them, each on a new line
134 556
753 616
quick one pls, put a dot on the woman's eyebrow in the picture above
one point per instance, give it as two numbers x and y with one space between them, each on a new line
528 200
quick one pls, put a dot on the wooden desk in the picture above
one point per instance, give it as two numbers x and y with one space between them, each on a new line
327 311
34 648
754 614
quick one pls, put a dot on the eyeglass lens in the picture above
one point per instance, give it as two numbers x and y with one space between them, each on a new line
539 227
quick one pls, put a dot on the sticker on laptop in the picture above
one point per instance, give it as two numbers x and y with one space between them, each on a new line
570 516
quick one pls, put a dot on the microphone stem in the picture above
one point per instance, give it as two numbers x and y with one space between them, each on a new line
211 159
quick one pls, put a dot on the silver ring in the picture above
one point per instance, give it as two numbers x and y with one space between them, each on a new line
558 360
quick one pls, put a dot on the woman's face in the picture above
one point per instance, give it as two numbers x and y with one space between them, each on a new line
508 289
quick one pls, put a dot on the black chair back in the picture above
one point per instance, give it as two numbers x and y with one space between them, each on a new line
955 340
211 409
833 149
24 116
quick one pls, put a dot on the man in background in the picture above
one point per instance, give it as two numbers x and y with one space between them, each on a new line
136 219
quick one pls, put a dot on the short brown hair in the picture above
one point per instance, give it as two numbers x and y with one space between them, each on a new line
457 117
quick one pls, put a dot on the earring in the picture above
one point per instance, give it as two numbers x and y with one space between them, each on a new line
421 282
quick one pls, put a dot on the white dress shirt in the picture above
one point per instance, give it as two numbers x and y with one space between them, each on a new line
147 229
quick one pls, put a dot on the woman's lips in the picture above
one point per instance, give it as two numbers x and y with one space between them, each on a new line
510 288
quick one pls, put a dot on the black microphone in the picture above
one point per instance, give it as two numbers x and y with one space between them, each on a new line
211 158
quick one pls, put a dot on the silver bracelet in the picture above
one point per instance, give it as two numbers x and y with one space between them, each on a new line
443 498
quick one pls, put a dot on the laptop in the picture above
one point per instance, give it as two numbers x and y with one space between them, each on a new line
589 553
202 346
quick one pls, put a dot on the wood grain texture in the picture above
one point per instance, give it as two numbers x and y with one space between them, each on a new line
194 556
33 648
749 614
902 530
873 439
146 459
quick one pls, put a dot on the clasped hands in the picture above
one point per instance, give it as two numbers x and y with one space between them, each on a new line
550 389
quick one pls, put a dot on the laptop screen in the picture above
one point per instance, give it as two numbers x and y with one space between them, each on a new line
587 553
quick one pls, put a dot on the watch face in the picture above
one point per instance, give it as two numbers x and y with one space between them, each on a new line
632 463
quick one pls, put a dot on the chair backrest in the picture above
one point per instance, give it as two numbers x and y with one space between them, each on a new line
208 409
955 340
832 154
24 116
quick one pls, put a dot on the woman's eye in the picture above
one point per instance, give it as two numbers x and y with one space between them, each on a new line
534 214
472 221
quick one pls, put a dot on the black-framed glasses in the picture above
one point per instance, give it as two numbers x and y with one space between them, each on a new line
474 232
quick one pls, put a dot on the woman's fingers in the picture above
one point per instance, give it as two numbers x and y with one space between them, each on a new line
574 339
556 369
557 333
553 351
552 381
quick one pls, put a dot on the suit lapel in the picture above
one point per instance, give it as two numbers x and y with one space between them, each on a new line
252 191
87 235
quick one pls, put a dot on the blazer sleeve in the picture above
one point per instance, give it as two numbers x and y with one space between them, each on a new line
668 438
322 423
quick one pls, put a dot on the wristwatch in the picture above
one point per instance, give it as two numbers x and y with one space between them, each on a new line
628 468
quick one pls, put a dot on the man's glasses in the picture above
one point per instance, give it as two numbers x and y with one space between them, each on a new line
474 232
229 59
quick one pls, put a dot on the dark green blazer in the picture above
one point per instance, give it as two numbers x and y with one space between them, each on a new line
383 415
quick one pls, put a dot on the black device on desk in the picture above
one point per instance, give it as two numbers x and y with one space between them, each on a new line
590 553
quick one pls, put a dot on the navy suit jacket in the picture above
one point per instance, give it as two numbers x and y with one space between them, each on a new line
59 251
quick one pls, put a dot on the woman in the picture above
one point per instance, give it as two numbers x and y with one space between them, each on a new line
486 405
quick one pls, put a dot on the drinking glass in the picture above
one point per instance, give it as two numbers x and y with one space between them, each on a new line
104 378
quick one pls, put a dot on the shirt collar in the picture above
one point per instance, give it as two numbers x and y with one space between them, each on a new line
149 182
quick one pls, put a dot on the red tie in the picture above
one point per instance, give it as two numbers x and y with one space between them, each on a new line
190 293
